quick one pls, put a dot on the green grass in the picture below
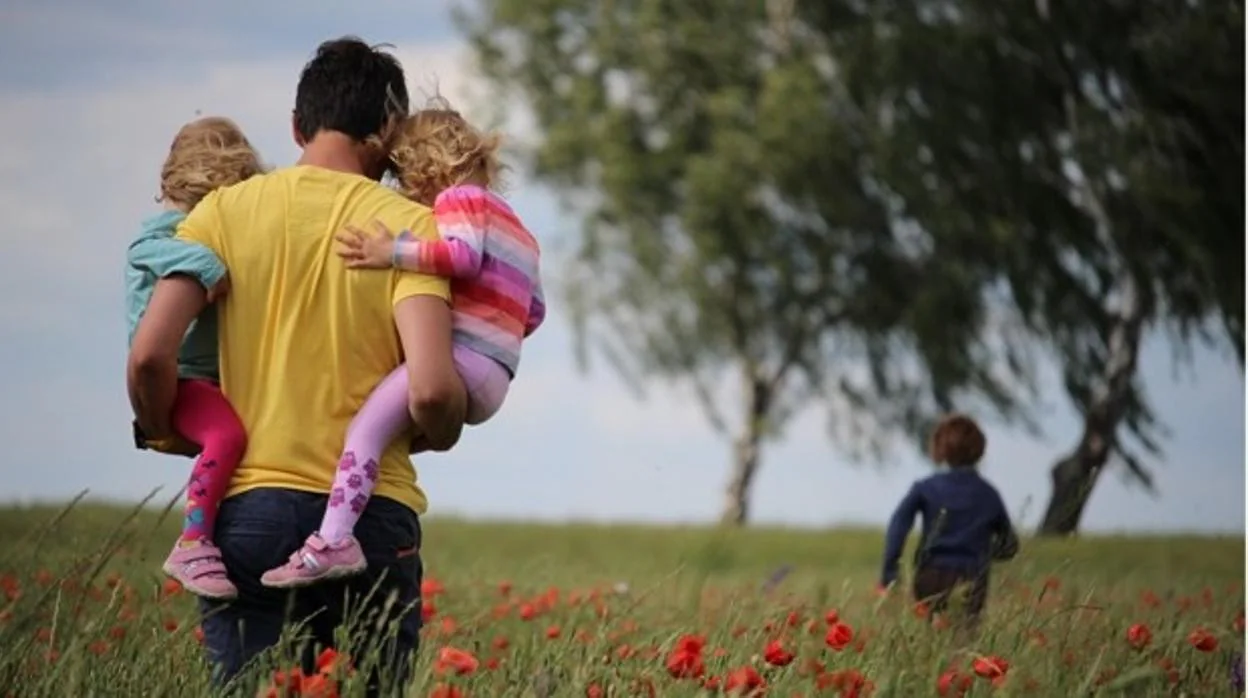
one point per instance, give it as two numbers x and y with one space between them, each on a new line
87 613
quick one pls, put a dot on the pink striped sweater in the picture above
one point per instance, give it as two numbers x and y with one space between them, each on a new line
492 261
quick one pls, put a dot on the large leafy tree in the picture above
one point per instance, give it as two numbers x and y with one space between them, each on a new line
850 202
1091 154
732 231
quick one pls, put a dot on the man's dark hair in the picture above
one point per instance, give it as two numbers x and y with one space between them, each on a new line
349 87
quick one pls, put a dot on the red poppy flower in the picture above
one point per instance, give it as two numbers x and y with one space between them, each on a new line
455 660
776 655
318 686
1203 640
744 680
431 587
329 659
953 683
839 636
444 691
990 667
1139 636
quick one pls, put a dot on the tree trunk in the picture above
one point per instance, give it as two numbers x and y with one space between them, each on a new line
746 449
1075 475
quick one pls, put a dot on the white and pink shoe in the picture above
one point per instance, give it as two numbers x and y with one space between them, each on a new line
315 561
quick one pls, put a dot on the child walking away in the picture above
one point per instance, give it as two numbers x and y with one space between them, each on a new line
206 154
965 524
492 260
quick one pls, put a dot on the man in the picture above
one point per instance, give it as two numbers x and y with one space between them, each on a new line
303 341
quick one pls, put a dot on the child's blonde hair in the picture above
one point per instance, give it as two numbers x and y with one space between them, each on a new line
436 148
206 154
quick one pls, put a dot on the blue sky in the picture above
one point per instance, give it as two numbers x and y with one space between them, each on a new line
90 95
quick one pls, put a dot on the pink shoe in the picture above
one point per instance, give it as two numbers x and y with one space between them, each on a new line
199 570
315 561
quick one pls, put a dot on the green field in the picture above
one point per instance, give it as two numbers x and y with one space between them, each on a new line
87 613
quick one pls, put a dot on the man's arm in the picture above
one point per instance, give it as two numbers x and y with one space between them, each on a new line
898 529
152 368
435 394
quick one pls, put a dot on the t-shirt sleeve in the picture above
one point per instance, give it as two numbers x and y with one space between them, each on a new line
407 283
202 226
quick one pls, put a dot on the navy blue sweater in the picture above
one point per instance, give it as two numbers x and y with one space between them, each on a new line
965 524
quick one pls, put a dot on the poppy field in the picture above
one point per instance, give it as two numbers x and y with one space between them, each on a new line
588 611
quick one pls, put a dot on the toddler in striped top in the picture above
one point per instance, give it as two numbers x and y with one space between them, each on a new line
440 160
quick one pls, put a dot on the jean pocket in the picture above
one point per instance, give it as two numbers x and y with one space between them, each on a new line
388 531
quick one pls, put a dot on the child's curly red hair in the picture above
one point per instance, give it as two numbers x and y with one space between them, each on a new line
958 442
206 154
436 149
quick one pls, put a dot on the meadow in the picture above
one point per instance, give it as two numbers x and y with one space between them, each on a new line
595 611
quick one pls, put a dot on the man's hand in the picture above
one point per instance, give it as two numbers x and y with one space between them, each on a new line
365 251
174 445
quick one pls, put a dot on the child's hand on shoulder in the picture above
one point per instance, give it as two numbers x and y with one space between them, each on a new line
363 250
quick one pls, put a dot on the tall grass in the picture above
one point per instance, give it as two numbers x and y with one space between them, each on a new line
549 610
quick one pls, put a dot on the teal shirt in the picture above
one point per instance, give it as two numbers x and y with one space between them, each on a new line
154 255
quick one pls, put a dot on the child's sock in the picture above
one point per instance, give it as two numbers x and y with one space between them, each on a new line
381 418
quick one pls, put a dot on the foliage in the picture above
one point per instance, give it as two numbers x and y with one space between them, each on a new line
733 225
893 208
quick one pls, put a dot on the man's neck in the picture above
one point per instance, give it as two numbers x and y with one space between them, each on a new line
332 150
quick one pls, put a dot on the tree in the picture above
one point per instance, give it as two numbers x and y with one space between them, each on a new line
1092 155
733 226
847 202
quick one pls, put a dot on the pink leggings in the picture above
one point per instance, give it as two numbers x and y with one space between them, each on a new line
383 417
203 416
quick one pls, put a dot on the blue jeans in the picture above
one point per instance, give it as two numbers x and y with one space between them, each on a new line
259 529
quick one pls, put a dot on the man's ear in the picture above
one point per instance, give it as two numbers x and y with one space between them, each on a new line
294 130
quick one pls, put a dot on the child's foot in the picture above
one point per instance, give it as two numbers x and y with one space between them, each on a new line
315 561
199 569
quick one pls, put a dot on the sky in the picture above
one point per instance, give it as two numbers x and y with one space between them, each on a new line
90 96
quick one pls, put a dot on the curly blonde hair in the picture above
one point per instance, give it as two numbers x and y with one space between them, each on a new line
958 442
436 148
206 154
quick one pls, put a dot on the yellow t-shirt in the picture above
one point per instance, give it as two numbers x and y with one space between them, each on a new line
303 339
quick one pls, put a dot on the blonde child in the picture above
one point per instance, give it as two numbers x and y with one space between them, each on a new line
206 154
492 260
